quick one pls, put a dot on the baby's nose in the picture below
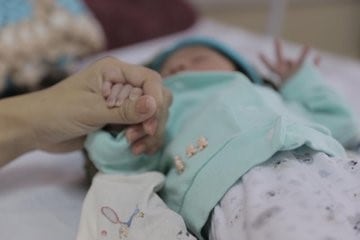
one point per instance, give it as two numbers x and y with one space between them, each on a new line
183 65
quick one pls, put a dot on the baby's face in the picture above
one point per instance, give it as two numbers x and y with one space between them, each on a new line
196 58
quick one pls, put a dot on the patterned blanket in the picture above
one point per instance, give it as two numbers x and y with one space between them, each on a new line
40 39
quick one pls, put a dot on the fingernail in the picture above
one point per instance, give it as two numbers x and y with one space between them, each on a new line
143 105
110 102
118 103
106 93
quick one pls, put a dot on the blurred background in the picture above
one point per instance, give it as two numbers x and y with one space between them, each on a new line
330 25
42 40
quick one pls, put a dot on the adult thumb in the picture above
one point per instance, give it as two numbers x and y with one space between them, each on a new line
135 111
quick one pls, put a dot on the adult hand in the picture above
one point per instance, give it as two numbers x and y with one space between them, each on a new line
147 115
62 115
148 137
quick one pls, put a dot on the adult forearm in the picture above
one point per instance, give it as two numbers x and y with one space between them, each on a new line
64 113
16 132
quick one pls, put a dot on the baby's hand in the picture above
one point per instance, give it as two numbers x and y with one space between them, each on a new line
116 93
285 67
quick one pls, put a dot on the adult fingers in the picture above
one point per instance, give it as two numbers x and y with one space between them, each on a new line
67 146
134 133
157 124
148 145
151 135
132 112
148 80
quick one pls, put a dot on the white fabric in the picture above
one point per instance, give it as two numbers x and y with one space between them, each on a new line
41 196
295 195
41 189
127 207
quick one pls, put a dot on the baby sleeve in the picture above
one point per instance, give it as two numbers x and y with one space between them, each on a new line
113 155
307 93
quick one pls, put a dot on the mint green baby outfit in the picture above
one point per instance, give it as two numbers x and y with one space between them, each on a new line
245 124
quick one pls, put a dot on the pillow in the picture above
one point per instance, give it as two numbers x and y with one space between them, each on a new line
129 21
40 39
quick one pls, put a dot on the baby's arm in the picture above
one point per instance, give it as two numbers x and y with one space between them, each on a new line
302 87
309 94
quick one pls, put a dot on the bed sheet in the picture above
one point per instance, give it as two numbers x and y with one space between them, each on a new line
41 194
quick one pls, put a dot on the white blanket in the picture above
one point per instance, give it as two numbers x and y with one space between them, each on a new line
295 195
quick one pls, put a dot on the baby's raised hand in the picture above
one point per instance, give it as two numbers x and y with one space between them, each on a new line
284 67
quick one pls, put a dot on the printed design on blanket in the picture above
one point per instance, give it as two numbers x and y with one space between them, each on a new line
183 235
299 194
111 215
355 222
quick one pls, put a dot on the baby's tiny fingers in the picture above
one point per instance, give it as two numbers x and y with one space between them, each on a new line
124 94
147 145
267 63
115 91
135 93
303 55
317 60
279 50
106 89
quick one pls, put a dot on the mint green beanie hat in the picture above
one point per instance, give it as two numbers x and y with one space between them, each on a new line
241 64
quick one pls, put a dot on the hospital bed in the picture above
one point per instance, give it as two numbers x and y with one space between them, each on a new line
41 194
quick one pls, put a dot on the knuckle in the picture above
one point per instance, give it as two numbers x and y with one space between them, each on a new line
153 75
108 60
124 114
